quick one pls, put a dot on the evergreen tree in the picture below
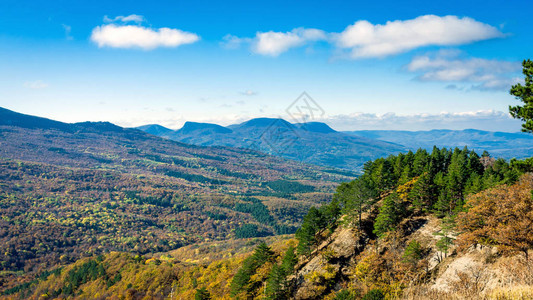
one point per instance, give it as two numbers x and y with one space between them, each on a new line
358 197
413 253
202 294
474 164
389 215
524 93
382 174
241 280
289 260
419 164
312 223
421 195
276 287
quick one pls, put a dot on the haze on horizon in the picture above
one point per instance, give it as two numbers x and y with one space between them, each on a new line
408 67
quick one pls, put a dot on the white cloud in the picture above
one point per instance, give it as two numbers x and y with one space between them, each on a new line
483 119
233 42
365 39
483 74
273 43
125 19
133 36
35 85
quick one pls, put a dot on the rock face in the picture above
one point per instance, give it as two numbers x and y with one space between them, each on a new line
465 273
327 264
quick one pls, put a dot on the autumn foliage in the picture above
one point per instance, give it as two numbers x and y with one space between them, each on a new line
501 216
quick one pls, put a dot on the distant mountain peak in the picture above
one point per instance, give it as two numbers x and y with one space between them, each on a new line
264 122
12 118
190 127
99 126
155 129
318 127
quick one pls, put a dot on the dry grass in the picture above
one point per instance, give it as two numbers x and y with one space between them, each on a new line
508 278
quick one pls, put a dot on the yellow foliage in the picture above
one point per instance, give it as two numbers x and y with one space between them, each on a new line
404 189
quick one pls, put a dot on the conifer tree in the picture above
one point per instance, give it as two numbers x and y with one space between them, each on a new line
389 215
524 93
202 294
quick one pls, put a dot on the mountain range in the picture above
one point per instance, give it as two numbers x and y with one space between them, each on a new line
319 144
499 144
315 143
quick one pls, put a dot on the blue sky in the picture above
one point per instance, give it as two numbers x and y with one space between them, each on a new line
369 65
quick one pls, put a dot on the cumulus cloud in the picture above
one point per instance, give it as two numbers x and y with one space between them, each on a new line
365 39
482 74
35 85
484 119
273 43
135 36
234 42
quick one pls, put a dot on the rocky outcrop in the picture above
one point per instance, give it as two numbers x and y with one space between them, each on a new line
327 265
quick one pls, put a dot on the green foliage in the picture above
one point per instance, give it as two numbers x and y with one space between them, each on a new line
276 286
389 215
411 183
356 197
375 294
285 187
258 210
316 220
248 231
241 280
202 294
446 239
91 270
413 253
194 177
344 295
524 93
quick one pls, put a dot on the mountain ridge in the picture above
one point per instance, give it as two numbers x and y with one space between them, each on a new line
506 145
314 142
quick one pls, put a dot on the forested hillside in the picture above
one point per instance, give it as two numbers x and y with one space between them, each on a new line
373 237
390 211
404 229
75 190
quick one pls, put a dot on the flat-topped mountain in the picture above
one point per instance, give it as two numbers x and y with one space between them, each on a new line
312 142
205 128
155 129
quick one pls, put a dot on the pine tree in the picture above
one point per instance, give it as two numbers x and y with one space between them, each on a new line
382 174
358 196
241 280
389 215
276 287
202 294
413 253
419 164
524 93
